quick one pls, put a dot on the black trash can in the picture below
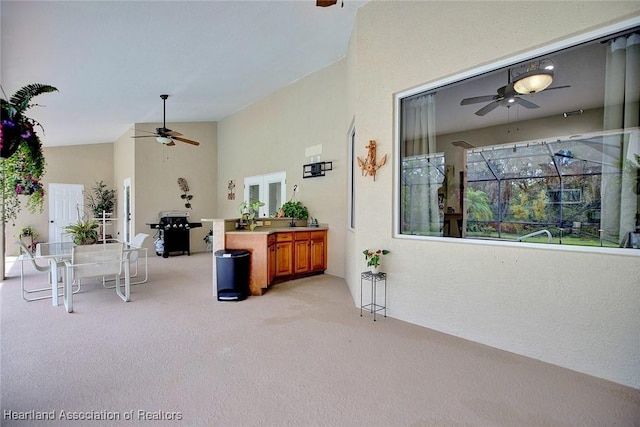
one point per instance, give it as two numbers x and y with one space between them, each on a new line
232 272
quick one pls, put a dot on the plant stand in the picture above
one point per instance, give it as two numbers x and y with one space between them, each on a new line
373 307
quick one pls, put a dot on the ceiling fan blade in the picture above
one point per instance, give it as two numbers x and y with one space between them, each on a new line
325 3
478 99
188 141
487 108
144 131
170 143
525 103
144 136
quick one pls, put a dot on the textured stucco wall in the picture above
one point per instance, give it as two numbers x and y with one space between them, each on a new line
570 308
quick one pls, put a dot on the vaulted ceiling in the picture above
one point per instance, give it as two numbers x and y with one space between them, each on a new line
111 60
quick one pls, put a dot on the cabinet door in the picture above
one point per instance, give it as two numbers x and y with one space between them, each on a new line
284 258
317 255
302 256
271 264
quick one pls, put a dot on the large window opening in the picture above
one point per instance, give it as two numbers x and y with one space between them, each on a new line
270 189
493 156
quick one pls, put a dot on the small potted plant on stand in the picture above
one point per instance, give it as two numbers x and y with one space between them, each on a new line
373 259
31 234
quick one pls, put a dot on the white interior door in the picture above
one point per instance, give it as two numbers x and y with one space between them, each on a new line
66 206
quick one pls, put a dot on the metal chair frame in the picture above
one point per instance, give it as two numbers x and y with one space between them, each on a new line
25 254
133 257
96 261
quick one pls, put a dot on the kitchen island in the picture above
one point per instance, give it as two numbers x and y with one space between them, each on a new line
279 252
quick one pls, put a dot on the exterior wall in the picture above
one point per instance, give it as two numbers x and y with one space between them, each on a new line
272 136
571 308
78 164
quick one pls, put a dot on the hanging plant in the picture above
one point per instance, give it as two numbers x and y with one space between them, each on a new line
20 147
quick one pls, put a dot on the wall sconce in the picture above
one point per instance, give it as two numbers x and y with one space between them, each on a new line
537 76
314 170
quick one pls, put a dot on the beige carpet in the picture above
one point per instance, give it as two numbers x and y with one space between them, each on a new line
300 355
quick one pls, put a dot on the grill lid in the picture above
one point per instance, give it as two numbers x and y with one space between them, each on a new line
173 214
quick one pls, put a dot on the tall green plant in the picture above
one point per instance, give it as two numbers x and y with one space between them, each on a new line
101 199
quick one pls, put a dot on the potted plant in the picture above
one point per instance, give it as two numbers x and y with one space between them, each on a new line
248 212
295 209
84 231
102 199
30 233
373 258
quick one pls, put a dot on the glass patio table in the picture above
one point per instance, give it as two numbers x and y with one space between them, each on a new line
56 253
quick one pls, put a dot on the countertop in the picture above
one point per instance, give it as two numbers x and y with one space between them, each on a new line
270 230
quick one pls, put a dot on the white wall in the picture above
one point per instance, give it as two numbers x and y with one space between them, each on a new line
570 308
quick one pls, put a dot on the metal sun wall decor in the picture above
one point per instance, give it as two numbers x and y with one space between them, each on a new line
369 166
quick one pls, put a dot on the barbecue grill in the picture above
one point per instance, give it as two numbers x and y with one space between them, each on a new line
173 228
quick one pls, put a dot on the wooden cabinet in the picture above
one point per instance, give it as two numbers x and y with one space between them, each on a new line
302 252
281 255
318 252
271 264
310 251
284 254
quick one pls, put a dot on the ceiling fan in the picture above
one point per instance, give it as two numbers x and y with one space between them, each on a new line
505 96
164 135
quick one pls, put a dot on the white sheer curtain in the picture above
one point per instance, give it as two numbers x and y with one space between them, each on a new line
418 139
621 111
419 125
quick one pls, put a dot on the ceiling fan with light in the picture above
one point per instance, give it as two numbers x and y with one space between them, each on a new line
537 77
164 135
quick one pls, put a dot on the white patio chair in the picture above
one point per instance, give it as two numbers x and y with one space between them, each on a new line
101 260
137 246
25 254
